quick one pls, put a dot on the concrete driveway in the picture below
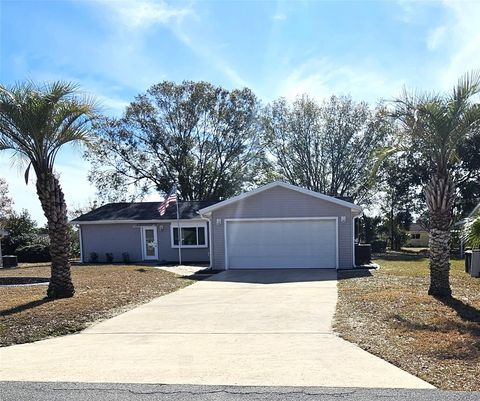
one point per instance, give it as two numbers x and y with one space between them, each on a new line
237 328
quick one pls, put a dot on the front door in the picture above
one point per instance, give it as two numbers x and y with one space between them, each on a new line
149 243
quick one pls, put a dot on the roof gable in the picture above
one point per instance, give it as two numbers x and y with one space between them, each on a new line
282 184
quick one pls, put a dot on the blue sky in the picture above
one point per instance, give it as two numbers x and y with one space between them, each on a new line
117 49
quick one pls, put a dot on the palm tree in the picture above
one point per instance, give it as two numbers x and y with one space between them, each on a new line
471 233
432 127
35 122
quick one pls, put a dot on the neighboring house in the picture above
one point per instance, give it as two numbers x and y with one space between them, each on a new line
274 226
417 236
3 233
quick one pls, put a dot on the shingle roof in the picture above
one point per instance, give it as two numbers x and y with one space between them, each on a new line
143 211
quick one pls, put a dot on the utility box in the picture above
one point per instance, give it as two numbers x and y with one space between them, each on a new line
468 261
363 254
475 263
9 261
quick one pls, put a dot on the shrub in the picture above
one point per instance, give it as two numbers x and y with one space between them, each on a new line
93 257
126 258
34 253
379 246
74 242
109 257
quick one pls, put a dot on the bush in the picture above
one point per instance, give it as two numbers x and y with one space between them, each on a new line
126 258
34 253
93 257
109 257
21 230
379 246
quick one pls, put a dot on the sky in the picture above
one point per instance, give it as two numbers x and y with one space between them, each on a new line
115 50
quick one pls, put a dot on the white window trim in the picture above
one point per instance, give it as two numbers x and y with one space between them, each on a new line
189 225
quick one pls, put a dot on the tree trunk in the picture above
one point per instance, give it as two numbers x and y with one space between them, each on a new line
53 204
440 196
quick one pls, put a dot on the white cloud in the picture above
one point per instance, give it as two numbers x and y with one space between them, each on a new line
112 105
205 51
436 37
145 13
279 17
462 42
321 78
409 10
136 16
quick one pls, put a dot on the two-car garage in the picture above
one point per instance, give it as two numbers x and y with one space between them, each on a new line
281 243
282 226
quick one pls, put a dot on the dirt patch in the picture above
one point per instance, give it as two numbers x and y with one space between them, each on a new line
102 291
390 315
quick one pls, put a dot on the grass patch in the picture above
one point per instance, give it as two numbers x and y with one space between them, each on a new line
390 315
101 291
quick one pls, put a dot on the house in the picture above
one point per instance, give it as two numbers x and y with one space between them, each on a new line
278 225
417 236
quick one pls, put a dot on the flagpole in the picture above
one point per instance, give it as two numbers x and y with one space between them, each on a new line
179 231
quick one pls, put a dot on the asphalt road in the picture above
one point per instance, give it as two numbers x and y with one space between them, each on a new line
36 391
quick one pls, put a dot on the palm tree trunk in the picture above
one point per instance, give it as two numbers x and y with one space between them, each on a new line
440 196
53 204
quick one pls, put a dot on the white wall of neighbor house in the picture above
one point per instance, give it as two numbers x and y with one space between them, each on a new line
280 202
117 238
417 239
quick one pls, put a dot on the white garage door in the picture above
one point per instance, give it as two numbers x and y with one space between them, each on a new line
281 244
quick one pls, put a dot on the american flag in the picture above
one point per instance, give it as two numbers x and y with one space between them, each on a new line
171 198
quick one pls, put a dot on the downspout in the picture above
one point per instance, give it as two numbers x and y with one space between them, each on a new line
210 244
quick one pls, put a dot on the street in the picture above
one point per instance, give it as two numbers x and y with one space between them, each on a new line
36 391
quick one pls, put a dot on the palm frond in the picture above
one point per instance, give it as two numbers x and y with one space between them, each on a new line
37 120
438 123
380 155
468 85
471 232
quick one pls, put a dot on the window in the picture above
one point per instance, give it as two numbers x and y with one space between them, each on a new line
415 236
192 236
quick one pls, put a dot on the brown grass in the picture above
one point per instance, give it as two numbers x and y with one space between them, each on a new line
102 291
390 315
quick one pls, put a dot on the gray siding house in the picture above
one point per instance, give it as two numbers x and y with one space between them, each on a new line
137 229
278 225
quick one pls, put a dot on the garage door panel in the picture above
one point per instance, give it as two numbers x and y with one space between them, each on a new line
281 244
